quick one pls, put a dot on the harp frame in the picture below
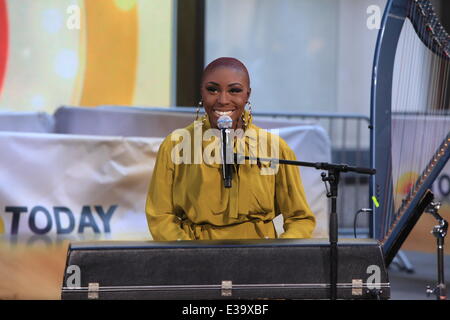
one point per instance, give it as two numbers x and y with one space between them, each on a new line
435 38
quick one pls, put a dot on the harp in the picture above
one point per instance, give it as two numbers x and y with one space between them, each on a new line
410 117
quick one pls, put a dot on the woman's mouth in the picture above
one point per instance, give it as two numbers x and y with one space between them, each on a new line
223 113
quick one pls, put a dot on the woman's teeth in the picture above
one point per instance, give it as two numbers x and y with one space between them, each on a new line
223 113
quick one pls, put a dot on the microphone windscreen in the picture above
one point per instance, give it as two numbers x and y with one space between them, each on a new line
224 122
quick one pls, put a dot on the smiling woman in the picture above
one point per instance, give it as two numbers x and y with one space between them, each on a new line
188 201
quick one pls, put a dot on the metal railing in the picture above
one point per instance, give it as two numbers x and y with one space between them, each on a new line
350 143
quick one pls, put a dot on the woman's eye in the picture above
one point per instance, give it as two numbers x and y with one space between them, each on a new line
235 90
211 89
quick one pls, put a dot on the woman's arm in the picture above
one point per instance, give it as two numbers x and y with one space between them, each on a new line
290 199
162 221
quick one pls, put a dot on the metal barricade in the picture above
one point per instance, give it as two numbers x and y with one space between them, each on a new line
350 141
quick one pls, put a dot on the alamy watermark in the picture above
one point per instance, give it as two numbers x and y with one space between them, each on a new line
206 147
374 20
73 281
374 280
73 21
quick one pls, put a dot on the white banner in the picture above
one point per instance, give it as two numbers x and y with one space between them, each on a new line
75 187
78 187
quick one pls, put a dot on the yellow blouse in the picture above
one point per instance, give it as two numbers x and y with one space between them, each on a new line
187 201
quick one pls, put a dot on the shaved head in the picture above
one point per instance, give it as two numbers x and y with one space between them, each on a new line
226 62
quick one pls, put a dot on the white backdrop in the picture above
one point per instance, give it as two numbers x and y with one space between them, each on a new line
290 48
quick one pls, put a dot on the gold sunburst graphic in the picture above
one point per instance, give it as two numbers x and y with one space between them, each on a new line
404 186
2 226
406 182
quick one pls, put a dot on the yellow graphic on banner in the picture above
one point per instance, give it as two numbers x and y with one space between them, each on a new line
404 186
89 53
406 182
125 4
111 53
2 226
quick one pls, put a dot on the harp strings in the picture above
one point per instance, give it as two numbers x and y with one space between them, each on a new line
398 127
420 117
424 148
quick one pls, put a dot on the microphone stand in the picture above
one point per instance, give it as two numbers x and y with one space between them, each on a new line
332 177
439 231
227 158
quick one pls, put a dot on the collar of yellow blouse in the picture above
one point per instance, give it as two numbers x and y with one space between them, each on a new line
250 141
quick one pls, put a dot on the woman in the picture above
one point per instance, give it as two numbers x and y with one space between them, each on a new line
187 199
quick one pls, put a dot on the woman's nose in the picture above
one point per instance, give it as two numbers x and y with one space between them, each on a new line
223 98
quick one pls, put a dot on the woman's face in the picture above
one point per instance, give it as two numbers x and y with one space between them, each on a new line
225 91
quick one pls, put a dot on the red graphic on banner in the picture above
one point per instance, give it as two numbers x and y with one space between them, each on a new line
3 41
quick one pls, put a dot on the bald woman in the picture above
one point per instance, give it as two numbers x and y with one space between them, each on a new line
186 199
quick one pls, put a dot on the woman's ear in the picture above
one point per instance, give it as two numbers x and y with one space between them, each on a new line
248 93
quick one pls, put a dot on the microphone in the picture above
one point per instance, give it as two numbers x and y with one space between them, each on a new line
224 123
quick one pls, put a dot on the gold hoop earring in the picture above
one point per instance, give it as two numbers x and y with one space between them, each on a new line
200 104
246 122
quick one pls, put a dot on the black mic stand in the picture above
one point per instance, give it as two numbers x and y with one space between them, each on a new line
334 171
439 231
227 158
